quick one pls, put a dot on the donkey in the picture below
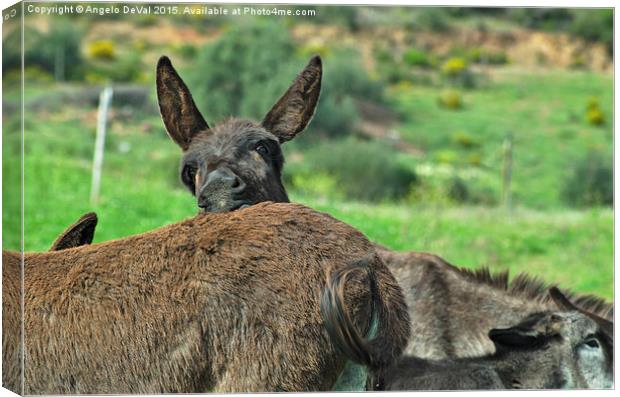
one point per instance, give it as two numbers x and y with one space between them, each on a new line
563 348
219 302
239 163
454 308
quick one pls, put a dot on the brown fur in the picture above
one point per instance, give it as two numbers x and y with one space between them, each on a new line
221 303
79 233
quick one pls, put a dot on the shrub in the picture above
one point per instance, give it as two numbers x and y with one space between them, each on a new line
432 18
126 69
595 117
450 99
474 159
593 103
590 183
363 170
478 55
56 52
415 57
454 67
458 191
594 25
236 75
464 140
102 49
344 81
187 51
455 70
594 114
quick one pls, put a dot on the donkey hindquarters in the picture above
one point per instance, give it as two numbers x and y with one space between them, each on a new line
221 302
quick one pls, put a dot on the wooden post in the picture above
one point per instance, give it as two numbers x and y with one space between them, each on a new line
105 98
507 171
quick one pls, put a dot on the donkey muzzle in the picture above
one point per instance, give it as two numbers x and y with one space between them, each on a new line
221 191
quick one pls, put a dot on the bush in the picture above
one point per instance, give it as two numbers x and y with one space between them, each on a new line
454 67
595 117
594 114
489 57
591 181
102 49
56 52
125 69
443 184
594 25
450 99
465 140
456 71
415 57
244 72
432 18
365 171
344 80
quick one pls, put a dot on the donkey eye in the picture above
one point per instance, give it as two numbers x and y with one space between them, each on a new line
262 149
592 342
188 176
189 172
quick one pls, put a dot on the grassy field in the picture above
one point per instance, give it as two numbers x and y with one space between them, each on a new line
545 113
542 236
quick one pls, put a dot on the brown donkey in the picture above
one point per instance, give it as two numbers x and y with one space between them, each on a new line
562 348
220 302
239 163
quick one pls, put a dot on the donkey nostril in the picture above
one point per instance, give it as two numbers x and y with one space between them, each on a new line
238 185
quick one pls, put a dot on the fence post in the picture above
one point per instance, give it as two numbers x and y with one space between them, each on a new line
507 171
105 98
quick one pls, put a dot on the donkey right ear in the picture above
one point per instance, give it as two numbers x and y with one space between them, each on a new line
294 110
178 110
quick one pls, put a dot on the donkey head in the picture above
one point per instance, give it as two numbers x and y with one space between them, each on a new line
237 163
569 348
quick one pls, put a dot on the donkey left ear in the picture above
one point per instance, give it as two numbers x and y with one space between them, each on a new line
294 110
563 303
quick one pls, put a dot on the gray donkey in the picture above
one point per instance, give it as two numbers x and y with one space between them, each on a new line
220 302
239 163
566 347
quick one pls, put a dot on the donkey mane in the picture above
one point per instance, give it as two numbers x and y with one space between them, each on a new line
532 287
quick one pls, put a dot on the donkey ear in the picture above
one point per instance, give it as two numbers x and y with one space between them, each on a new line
178 110
515 337
78 234
294 110
565 304
560 300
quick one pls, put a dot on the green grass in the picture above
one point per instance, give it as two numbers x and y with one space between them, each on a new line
544 111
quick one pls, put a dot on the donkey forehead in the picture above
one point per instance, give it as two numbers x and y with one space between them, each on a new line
228 139
570 324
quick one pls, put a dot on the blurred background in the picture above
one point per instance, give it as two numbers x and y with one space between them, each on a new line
483 135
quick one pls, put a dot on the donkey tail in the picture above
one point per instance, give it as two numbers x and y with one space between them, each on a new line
389 315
